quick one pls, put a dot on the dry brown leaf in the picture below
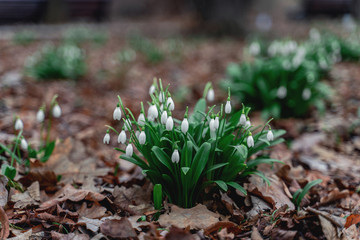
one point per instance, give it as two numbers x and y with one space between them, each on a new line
118 228
273 194
255 234
352 219
91 224
69 236
350 233
221 225
224 235
95 211
3 191
278 233
22 236
137 225
258 206
328 228
31 197
47 179
198 217
334 195
178 233
4 233
338 221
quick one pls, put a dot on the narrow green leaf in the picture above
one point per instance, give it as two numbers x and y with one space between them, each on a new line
237 186
222 185
157 196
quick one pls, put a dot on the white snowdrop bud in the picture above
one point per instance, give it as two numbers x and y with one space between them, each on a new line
142 138
153 112
117 113
210 95
164 117
129 150
127 125
151 90
137 134
122 137
270 136
56 111
24 144
161 97
184 125
247 124
212 125
254 48
175 157
217 123
306 94
169 123
40 116
242 119
170 104
250 141
228 107
281 92
162 107
107 138
19 124
141 120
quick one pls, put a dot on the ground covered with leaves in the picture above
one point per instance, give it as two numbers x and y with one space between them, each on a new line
84 191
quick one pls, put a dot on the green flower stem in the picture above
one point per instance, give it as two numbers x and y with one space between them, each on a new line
16 147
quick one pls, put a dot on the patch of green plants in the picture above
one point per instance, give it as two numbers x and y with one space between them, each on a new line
19 151
24 37
213 147
80 35
145 46
57 62
300 193
283 79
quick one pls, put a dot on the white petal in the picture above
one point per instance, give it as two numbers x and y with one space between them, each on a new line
40 116
184 125
217 123
142 138
169 123
141 119
270 136
164 117
117 114
170 104
151 89
228 107
129 150
247 124
242 120
127 125
250 141
175 157
212 125
24 144
122 137
106 138
19 124
56 111
210 95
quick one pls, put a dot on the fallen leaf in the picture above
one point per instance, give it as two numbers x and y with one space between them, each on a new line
31 197
198 217
334 195
178 233
338 221
4 233
328 228
69 236
3 191
255 234
232 228
118 228
137 224
25 235
91 224
47 179
350 233
224 235
352 219
258 206
283 234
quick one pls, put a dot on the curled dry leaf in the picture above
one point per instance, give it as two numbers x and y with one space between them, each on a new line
95 211
4 233
328 228
198 217
3 191
118 228
25 235
334 195
69 236
31 197
178 233
352 219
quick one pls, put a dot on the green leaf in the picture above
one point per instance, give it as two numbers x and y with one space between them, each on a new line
306 190
48 151
200 160
257 161
200 107
216 166
8 171
162 157
237 186
157 196
222 185
185 170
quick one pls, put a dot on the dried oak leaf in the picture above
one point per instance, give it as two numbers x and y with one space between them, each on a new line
3 191
31 197
69 236
4 233
329 230
278 234
95 211
352 219
334 195
47 179
230 226
22 236
178 233
118 228
198 217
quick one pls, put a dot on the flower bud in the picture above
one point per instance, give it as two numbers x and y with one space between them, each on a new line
164 117
170 104
141 120
161 97
169 123
127 125
151 90
122 137
281 92
247 124
217 123
56 111
175 157
117 113
270 136
24 144
129 150
210 95
142 138
19 124
242 119
107 138
184 125
250 141
40 116
153 112
212 125
228 107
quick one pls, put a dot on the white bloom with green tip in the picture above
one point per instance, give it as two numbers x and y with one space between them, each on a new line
184 125
106 138
164 117
270 136
250 141
19 125
129 150
122 137
56 111
169 123
141 120
40 116
210 95
228 107
142 138
242 119
117 113
24 144
175 157
170 104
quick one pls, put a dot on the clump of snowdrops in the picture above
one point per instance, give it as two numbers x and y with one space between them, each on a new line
213 146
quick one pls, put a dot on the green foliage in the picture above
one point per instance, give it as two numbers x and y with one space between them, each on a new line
80 35
66 61
146 47
157 196
24 37
283 80
207 155
300 193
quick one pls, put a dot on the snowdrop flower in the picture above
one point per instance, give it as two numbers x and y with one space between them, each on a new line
306 94
281 92
164 117
137 134
153 112
250 141
107 138
141 119
254 48
212 125
161 97
169 123
127 125
247 124
175 157
228 107
184 125
210 95
217 123
170 104
129 150
270 135
142 138
323 64
40 116
162 107
122 137
117 113
151 90
242 119
56 111
24 144
19 124
314 34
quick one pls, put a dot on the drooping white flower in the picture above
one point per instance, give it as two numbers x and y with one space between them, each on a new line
137 134
210 95
242 119
153 112
40 116
270 136
141 120
24 144
212 125
281 92
169 123
127 125
314 34
122 137
117 113
217 123
129 150
306 94
184 125
56 111
164 117
247 124
162 107
170 104
228 107
106 138
151 90
161 97
19 125
250 141
254 48
142 138
175 157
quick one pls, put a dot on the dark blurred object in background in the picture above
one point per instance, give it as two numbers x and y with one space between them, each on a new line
15 11
331 7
